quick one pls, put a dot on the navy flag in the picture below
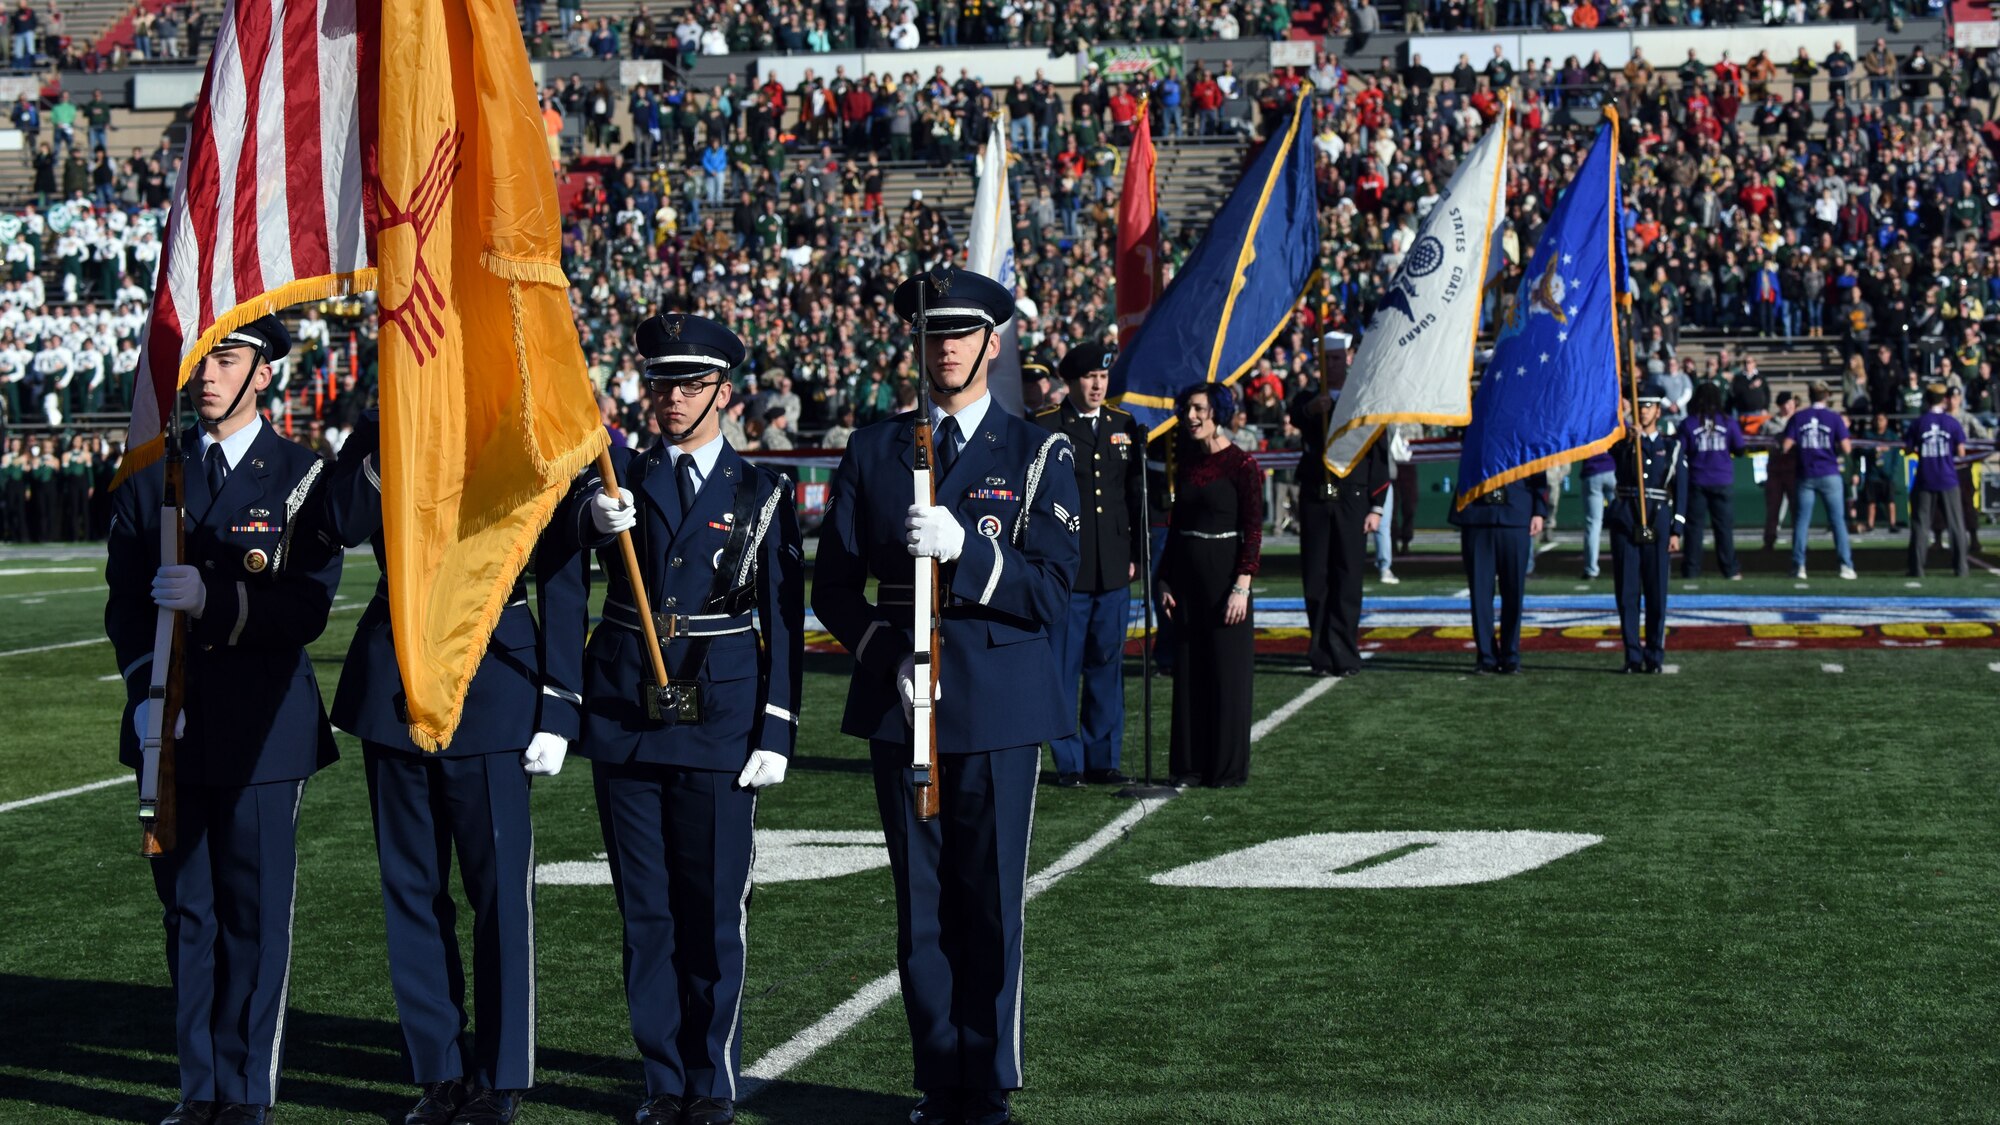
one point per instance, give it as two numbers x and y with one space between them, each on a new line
1239 287
1550 393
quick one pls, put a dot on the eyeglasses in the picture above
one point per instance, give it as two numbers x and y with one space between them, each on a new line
688 388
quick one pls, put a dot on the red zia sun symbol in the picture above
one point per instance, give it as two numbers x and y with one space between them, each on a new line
412 300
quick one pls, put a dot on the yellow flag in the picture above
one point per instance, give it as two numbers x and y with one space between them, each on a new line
486 407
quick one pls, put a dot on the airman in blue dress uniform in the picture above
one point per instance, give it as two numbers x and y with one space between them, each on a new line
1640 554
521 711
1496 540
1005 530
257 584
1090 639
677 767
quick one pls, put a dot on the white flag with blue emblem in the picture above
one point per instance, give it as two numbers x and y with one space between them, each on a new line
989 251
1416 362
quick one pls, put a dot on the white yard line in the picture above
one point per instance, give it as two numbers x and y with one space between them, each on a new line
53 648
1982 564
96 589
795 1051
121 779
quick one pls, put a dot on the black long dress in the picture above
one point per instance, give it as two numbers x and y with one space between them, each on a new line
1216 533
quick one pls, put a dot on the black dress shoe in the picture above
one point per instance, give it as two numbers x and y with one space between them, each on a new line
1510 669
1185 781
489 1107
1653 669
1069 781
1106 777
708 1111
191 1113
440 1103
1484 669
939 1107
241 1113
663 1110
1632 668
986 1108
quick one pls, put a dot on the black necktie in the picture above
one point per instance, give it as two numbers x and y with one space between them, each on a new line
217 467
947 446
684 473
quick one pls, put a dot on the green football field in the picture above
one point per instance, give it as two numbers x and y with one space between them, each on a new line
1762 889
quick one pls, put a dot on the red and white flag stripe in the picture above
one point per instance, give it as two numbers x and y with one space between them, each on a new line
268 208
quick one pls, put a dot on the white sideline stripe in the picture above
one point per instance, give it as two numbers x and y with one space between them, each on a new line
18 571
783 1058
121 779
53 648
97 588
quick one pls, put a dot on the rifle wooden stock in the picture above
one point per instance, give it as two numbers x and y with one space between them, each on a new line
635 575
925 639
158 824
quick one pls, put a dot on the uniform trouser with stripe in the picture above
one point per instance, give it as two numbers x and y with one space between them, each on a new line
1501 553
426 809
681 847
1639 572
228 888
1090 643
961 882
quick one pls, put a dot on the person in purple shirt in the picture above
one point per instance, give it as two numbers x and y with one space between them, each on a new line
1819 437
1600 487
1938 440
1711 440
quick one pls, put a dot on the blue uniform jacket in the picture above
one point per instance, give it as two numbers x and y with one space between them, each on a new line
1666 486
1511 505
1013 488
532 677
749 690
252 704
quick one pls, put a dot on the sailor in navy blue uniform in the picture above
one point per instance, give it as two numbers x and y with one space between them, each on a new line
1005 531
1496 540
677 767
521 711
1090 639
1640 554
256 585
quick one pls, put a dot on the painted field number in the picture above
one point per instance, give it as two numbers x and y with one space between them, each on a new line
1380 860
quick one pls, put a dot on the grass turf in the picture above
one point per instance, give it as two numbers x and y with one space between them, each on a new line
1789 917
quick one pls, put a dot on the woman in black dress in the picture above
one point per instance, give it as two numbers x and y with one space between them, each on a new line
1213 543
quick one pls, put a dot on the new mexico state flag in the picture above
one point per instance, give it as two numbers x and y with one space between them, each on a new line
486 408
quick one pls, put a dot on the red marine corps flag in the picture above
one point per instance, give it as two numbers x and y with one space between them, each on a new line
1139 264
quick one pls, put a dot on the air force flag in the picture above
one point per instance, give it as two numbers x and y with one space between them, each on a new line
1415 364
1550 394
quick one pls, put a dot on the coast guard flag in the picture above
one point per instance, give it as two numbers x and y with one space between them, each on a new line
1550 394
1238 288
989 252
1415 364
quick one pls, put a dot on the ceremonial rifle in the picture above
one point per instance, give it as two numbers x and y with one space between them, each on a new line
924 600
157 822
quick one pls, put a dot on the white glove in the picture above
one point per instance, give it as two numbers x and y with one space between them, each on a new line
544 755
763 768
140 716
934 533
180 587
609 516
906 686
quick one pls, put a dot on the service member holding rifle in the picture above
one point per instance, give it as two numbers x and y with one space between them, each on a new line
678 764
232 731
1001 540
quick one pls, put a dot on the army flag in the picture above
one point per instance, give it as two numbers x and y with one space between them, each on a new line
989 252
487 409
1138 261
1238 289
1550 392
1416 362
266 211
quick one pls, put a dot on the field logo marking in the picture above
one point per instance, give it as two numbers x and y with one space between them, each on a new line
1380 860
784 855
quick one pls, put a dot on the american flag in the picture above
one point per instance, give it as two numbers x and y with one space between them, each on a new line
268 208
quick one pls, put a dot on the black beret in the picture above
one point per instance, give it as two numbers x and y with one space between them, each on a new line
267 334
955 301
1089 356
686 346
